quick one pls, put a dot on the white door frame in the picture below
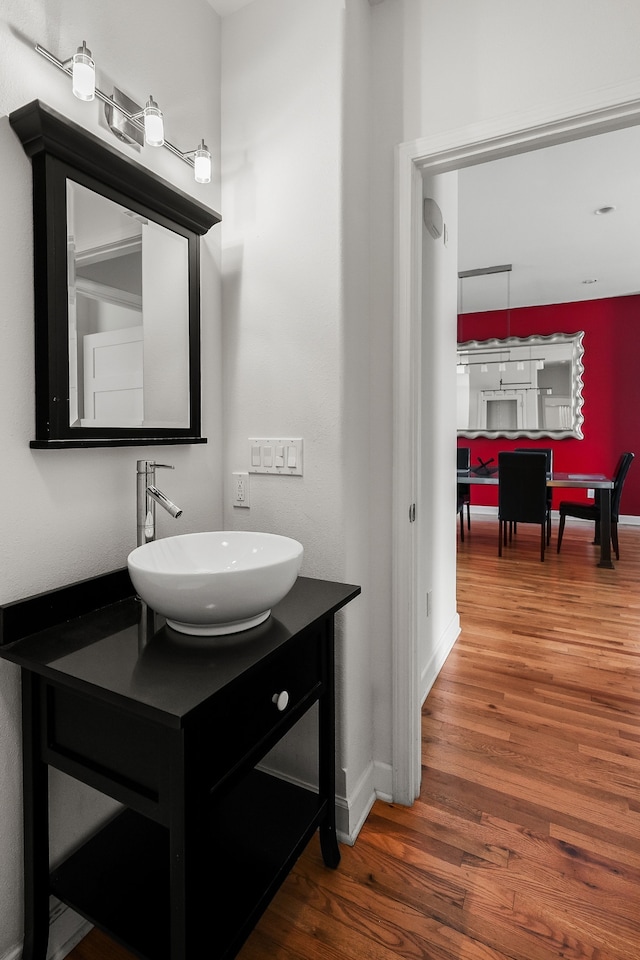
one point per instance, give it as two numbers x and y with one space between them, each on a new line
597 112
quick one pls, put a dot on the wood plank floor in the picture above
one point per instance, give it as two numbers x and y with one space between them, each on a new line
525 841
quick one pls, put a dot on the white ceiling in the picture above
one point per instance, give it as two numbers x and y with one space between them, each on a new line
536 212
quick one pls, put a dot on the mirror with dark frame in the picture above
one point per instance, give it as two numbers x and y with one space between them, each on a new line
117 292
521 387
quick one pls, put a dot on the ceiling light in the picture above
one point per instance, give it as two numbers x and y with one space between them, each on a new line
602 210
589 281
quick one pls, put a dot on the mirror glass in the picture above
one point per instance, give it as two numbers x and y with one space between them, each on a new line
128 311
529 387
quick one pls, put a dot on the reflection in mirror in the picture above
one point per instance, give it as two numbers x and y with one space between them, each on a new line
520 387
128 298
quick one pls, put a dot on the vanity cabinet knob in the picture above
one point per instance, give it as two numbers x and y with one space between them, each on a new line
281 700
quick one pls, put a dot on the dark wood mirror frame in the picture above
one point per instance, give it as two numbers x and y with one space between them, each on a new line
61 150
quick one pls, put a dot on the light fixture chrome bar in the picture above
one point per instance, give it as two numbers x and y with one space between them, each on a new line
185 156
484 271
479 363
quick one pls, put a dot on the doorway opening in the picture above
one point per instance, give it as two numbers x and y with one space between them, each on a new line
415 160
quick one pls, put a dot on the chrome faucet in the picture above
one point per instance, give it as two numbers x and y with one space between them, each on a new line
147 495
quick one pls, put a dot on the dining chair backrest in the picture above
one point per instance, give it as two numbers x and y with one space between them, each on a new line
548 452
522 490
618 482
464 458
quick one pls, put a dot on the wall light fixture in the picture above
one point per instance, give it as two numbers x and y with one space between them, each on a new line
83 74
128 123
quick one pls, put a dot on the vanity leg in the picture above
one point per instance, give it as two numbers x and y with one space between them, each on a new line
192 932
605 530
327 753
36 823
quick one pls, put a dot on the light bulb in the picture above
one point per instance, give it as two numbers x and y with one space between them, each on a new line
83 74
202 164
153 124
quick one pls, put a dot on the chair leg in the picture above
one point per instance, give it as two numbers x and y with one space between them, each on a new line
614 538
468 516
596 534
561 530
462 525
500 538
543 537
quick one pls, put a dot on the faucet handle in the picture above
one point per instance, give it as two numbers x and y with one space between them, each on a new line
147 466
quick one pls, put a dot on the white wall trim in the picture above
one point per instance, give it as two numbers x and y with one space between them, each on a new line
596 111
405 731
479 510
352 812
13 954
438 657
66 930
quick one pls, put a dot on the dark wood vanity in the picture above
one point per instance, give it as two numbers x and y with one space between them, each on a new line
173 727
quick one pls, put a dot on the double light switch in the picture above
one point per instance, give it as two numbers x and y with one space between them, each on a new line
281 455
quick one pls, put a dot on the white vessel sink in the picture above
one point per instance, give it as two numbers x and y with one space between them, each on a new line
207 584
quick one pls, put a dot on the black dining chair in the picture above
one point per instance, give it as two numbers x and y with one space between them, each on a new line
591 511
522 494
464 490
548 452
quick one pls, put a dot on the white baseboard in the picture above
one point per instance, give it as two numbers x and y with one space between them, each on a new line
628 519
66 930
442 650
352 812
13 954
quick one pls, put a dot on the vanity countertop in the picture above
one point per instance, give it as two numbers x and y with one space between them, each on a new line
151 670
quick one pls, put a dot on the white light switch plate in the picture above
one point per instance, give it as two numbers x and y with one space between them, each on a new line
276 455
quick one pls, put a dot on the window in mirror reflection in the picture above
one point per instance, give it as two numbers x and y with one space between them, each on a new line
128 296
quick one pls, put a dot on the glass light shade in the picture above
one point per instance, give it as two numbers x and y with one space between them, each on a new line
202 164
153 124
83 74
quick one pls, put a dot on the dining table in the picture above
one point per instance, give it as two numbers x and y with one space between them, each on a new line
577 481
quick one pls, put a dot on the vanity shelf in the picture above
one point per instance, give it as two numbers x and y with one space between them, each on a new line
175 728
249 860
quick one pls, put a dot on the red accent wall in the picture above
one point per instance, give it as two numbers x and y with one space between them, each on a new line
611 387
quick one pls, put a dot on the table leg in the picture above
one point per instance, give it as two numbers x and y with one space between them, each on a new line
605 530
36 824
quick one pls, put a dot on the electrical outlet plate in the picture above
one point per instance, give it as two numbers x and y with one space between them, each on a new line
240 489
276 455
